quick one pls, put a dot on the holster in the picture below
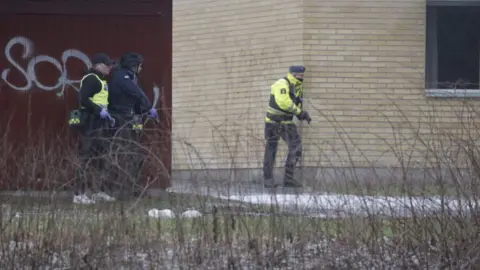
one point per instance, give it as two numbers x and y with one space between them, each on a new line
137 123
78 118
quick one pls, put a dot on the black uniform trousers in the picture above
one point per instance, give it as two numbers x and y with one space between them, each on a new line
128 156
289 134
93 147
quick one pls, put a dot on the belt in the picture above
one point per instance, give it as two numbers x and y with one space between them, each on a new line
279 118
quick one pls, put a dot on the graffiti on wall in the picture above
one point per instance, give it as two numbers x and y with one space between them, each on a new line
30 77
29 74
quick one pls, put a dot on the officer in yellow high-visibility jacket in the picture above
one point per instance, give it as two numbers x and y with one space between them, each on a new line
286 98
93 136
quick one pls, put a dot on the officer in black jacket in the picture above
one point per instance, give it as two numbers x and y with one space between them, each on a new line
125 90
126 102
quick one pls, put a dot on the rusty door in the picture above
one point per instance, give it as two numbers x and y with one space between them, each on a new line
45 50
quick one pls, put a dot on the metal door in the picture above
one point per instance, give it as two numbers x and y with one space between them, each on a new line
46 48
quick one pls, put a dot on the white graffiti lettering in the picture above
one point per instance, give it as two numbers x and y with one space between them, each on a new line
30 75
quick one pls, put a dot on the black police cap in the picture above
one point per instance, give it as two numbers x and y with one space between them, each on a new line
102 58
297 69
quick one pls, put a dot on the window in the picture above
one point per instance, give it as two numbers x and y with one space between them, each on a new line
453 48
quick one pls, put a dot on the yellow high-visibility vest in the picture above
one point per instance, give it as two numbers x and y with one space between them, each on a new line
284 103
100 98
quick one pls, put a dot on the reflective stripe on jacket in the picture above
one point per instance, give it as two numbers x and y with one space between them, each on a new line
285 100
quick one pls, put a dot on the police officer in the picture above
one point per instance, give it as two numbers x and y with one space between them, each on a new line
126 103
286 98
93 98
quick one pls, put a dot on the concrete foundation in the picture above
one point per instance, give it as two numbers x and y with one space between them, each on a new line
318 177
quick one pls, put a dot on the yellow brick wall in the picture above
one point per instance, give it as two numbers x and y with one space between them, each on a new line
225 56
366 85
365 62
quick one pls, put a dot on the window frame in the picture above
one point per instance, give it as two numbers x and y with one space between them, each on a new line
431 55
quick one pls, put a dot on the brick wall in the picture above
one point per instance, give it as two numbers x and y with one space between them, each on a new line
364 86
363 57
225 56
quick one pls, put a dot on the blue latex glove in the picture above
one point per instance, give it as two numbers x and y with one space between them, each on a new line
152 113
104 114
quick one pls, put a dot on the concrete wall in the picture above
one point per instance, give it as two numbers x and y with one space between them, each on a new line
364 85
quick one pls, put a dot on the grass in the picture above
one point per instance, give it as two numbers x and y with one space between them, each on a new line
98 231
97 236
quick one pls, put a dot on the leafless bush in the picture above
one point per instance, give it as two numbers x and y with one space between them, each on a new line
347 232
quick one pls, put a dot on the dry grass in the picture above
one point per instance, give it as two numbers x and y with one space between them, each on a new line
54 234
105 237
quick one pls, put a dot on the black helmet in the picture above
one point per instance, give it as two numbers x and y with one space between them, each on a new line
131 60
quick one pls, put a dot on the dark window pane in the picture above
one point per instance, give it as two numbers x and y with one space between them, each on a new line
458 46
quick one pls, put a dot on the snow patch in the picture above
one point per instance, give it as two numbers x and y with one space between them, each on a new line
168 214
360 205
164 214
191 214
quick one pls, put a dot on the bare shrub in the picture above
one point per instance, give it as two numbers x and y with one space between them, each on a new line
410 230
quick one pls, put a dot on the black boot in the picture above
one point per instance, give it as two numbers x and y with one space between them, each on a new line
289 182
270 183
289 178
